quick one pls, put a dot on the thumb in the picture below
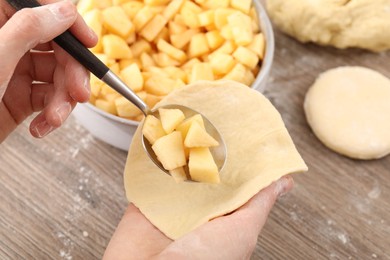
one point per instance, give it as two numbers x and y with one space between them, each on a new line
28 28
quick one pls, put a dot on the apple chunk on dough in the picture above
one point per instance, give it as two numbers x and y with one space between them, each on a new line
169 150
198 137
152 129
202 167
170 118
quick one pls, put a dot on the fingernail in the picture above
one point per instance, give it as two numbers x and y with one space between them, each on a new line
283 186
62 10
42 129
63 111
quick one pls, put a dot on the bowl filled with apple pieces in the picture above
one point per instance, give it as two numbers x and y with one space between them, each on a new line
158 46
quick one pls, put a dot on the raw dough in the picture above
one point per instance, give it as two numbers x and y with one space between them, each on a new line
348 109
339 23
260 151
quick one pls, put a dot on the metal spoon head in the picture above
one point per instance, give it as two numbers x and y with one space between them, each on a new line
219 152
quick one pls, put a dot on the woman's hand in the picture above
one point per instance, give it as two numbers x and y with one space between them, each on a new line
37 75
233 236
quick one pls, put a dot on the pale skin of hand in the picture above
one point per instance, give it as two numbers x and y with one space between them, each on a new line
233 236
63 81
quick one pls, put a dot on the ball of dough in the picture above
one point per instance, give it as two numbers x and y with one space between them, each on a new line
339 23
348 109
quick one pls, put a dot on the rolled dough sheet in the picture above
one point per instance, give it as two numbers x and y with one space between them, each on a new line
348 109
259 152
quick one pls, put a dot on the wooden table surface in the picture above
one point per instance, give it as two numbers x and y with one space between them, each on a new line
62 197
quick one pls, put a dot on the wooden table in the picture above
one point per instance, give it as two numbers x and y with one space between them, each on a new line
62 197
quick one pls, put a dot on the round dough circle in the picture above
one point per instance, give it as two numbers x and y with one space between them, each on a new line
339 23
259 151
348 109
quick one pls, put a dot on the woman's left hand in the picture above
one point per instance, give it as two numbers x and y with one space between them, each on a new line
37 75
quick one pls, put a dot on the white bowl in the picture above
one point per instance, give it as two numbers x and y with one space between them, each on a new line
118 131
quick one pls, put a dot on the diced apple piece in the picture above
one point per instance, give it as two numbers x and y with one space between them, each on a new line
163 35
242 5
240 74
198 45
169 150
106 106
157 71
179 174
164 60
96 85
258 45
159 85
241 25
115 67
190 64
255 20
190 12
119 2
185 126
131 8
152 100
228 47
227 33
198 137
246 57
140 47
182 39
156 2
94 19
175 28
103 58
201 71
84 6
132 76
214 39
115 47
125 108
152 129
202 167
206 18
172 51
170 118
176 73
221 63
172 9
221 16
214 4
153 28
147 60
124 63
143 17
117 22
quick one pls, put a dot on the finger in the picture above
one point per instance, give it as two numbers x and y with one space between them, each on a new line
32 26
57 110
41 95
80 29
135 236
76 79
50 119
44 64
5 116
223 233
29 27
39 127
